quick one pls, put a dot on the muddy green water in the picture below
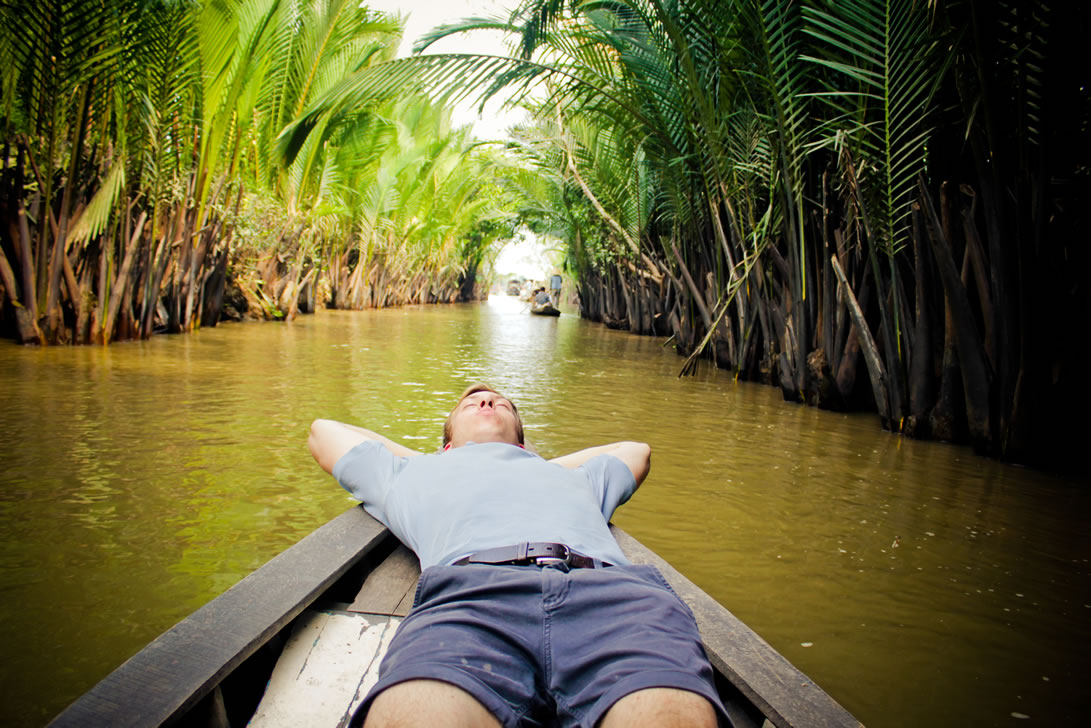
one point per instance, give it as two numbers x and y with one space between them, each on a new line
919 584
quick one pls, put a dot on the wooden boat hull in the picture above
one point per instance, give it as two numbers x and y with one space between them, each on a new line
544 309
212 669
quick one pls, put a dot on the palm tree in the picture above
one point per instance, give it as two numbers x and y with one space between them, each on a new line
764 159
125 201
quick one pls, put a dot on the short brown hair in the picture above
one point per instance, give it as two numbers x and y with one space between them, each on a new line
474 389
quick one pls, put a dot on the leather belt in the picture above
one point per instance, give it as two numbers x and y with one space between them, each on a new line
533 554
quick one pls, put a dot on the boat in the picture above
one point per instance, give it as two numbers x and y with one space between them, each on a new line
298 642
545 308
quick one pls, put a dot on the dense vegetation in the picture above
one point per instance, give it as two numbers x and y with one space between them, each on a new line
141 169
865 202
868 203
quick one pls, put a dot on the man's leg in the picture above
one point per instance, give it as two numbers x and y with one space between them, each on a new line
428 704
627 651
661 708
464 655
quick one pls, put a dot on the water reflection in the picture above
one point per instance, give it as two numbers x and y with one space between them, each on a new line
930 587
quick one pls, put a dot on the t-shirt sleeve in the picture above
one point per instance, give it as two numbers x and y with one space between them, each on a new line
612 481
367 472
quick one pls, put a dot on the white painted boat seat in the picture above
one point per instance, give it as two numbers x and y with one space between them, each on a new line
332 658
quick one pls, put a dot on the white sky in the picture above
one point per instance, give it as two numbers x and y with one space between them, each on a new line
529 257
526 257
423 15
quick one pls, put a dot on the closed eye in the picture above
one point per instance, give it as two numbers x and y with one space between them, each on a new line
473 402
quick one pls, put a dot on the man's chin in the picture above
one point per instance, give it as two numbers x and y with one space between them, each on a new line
483 437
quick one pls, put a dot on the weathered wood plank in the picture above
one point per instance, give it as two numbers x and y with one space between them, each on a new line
787 697
327 667
387 588
162 681
406 603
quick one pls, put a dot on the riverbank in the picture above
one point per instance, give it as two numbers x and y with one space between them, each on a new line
839 374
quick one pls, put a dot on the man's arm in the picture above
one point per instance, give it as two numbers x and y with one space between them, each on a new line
636 455
329 440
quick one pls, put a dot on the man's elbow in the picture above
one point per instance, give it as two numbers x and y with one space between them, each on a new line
641 450
640 459
318 427
318 442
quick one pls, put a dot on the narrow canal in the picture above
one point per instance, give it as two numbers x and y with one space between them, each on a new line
917 583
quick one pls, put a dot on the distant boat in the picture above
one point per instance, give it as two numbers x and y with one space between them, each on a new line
298 642
544 309
542 303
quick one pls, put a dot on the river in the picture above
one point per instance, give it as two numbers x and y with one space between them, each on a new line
919 584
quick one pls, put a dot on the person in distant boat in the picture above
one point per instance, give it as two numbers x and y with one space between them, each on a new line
527 612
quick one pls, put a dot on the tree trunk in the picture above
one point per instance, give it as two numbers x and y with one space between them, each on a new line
26 326
193 276
53 315
981 278
976 374
215 284
83 319
920 360
151 294
698 299
29 293
867 343
74 294
121 284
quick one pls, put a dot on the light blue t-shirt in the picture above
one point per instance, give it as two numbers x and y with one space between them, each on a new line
483 495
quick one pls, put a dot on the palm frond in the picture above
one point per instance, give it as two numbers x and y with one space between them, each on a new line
885 57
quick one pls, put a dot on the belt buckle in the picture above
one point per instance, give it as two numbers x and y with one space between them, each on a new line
554 560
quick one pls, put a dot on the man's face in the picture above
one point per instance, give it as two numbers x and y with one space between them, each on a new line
484 417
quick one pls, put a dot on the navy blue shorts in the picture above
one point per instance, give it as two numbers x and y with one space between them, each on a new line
539 646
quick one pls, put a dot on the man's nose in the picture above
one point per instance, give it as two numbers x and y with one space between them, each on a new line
487 402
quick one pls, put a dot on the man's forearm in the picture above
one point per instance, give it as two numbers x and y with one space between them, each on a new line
578 458
394 447
637 455
329 440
